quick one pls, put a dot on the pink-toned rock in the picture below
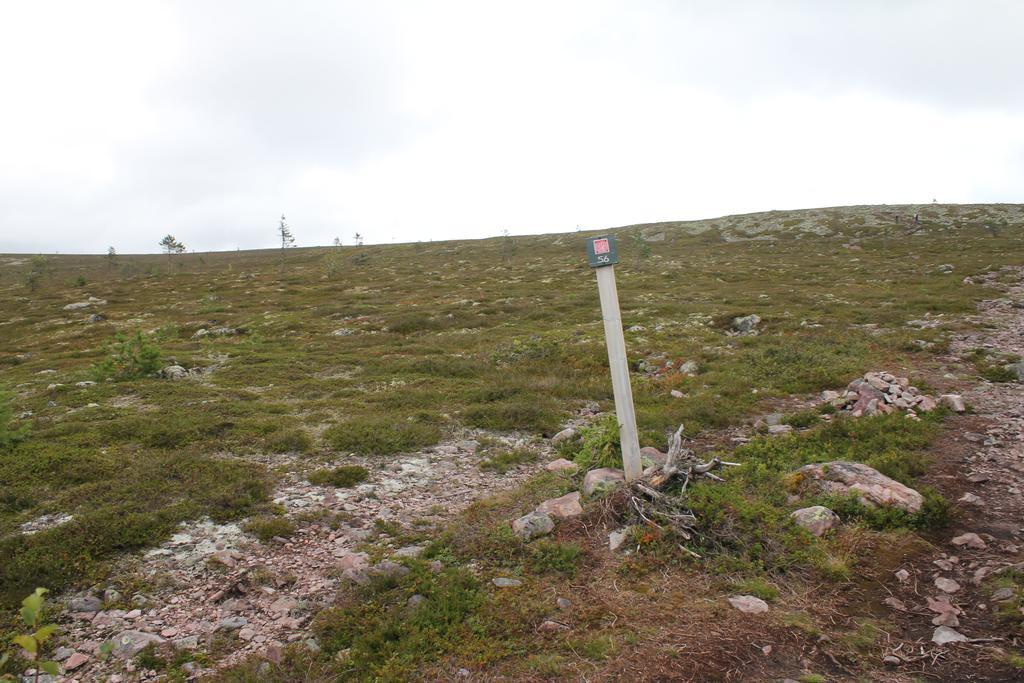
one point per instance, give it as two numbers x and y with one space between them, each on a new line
870 485
927 404
562 507
561 465
354 561
971 540
283 605
947 585
169 632
748 604
74 661
601 480
653 454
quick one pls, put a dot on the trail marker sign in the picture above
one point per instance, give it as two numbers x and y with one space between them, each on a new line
602 251
603 254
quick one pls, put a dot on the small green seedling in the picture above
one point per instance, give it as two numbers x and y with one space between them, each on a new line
31 614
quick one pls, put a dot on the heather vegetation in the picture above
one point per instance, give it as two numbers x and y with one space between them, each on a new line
325 365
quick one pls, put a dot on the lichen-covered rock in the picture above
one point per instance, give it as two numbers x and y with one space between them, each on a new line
602 480
817 519
533 525
748 604
870 485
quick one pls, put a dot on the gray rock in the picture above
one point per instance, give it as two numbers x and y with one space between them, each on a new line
617 538
561 465
96 318
690 367
173 372
409 551
772 419
944 635
817 519
746 324
86 603
503 582
533 525
231 623
62 653
186 643
127 644
566 434
602 480
415 600
870 485
389 569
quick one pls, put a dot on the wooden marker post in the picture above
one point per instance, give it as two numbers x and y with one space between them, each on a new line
603 254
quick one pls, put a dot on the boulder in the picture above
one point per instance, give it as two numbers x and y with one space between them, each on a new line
602 480
504 582
127 644
561 465
533 525
954 402
817 519
748 604
562 507
870 485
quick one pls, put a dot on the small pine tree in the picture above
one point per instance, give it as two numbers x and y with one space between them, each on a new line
287 239
337 241
111 257
37 269
171 246
358 239
643 249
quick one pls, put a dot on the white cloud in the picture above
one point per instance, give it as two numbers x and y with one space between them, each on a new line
407 120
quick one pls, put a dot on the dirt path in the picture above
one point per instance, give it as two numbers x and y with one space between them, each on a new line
980 465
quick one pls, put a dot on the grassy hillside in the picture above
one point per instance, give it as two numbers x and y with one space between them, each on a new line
383 349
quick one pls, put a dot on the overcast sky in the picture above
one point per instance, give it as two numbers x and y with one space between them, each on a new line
404 121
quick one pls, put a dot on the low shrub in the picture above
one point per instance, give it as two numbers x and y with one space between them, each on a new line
267 527
344 476
600 445
382 435
291 441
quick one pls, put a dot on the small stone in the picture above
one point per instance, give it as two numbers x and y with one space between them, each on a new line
817 519
246 634
563 603
946 619
561 465
550 626
675 393
415 600
533 525
944 634
87 603
971 499
566 434
748 604
127 644
1003 594
231 623
896 603
616 539
947 585
903 575
353 561
62 653
410 551
503 582
891 660
602 480
74 661
971 540
170 632
954 402
564 507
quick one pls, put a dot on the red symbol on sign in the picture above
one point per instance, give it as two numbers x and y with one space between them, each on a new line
602 247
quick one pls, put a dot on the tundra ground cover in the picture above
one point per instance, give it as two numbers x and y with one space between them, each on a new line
408 342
